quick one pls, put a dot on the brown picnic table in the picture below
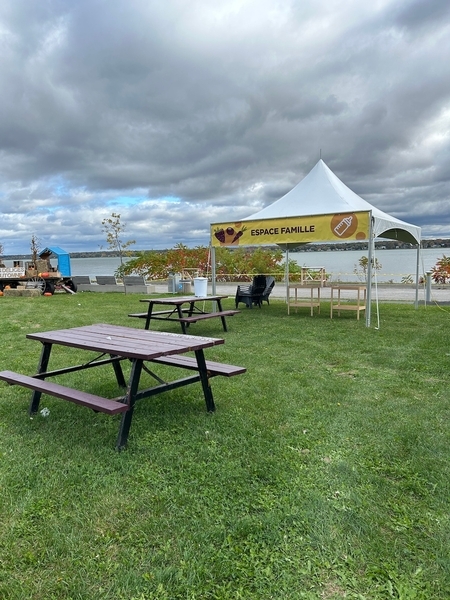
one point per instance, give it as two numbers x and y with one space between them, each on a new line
185 310
141 349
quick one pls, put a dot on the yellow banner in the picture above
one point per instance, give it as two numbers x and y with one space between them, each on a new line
292 230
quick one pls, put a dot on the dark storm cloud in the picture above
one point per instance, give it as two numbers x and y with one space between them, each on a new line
418 15
180 114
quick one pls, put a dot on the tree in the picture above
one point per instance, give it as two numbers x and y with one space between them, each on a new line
114 228
34 247
364 266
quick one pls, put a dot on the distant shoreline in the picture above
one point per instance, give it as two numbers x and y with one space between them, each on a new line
315 247
72 255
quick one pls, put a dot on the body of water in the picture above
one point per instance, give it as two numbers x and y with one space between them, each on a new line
395 264
95 266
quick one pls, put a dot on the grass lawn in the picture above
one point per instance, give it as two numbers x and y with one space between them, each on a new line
324 472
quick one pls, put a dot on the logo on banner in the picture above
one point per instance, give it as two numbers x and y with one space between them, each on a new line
230 236
345 226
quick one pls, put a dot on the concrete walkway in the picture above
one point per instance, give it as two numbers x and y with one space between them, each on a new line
385 293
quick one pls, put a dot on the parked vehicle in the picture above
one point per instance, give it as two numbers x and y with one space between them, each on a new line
43 275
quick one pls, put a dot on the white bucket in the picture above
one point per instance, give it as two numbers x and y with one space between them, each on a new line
200 286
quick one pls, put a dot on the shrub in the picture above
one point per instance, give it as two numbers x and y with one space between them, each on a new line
236 264
440 273
363 263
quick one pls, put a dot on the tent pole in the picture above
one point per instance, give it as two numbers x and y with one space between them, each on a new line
369 272
416 302
213 269
286 275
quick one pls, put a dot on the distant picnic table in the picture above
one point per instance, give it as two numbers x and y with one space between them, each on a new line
184 309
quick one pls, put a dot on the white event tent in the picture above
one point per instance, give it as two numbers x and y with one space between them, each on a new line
319 208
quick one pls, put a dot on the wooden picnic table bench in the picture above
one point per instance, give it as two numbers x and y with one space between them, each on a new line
143 315
116 344
97 403
200 317
189 362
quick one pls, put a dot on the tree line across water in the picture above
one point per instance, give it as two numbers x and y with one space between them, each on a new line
232 264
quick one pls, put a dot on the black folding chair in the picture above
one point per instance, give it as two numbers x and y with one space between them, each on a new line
270 283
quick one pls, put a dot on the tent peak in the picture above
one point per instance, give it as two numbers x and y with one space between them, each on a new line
321 192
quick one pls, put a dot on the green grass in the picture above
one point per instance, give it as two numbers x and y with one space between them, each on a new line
324 472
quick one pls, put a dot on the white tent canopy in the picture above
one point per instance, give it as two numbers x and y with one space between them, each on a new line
305 214
322 193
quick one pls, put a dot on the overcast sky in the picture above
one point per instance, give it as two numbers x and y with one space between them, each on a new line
176 114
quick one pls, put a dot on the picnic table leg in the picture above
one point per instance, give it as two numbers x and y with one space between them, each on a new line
180 316
149 316
127 417
42 368
203 372
119 373
219 306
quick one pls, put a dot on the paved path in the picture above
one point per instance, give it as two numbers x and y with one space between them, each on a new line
385 293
